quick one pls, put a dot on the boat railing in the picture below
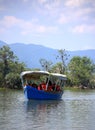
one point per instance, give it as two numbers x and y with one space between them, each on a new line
44 87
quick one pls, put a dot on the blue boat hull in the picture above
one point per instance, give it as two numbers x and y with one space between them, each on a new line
33 93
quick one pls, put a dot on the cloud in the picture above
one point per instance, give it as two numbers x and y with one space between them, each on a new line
63 19
76 3
38 29
84 28
77 12
49 8
9 21
50 3
49 15
25 27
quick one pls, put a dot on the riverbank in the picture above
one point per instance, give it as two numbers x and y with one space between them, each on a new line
77 89
65 88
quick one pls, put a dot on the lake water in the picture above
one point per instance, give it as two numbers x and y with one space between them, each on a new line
76 111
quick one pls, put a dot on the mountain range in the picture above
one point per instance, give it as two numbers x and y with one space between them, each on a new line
30 54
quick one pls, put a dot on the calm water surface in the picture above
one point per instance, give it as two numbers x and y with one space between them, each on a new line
76 111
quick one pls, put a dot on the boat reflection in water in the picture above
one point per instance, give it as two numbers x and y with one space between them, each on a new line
42 114
41 105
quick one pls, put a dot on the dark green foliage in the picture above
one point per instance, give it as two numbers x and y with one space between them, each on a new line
13 81
80 71
10 68
57 68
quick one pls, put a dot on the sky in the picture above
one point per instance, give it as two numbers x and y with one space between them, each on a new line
58 24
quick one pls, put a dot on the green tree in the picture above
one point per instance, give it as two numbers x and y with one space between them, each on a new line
6 56
57 68
13 81
80 71
8 64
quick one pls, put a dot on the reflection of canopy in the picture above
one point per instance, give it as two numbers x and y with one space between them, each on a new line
38 74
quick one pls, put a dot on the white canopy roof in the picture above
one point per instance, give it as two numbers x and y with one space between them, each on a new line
40 73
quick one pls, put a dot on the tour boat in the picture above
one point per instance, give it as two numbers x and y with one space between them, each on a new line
42 85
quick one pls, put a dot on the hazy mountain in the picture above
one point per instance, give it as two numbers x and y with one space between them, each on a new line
30 54
2 43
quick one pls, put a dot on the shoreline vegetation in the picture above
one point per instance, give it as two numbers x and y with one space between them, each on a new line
65 88
80 71
77 88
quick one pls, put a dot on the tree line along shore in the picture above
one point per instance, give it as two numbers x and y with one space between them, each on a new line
80 71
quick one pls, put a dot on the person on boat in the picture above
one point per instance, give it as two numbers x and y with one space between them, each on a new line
40 87
43 85
57 88
34 85
49 88
25 85
53 86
